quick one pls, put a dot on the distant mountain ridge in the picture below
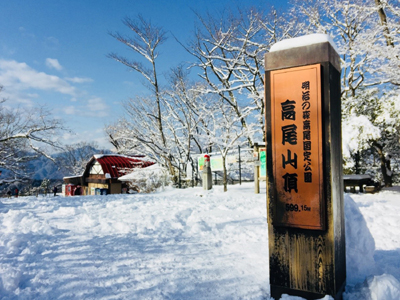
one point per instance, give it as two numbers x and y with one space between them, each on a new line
44 168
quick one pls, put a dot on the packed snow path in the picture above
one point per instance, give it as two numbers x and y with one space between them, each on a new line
177 244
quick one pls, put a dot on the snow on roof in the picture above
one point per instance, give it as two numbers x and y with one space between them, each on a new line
302 41
70 177
133 175
97 156
356 177
118 165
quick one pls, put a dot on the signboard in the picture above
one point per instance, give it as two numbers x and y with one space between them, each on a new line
296 131
201 163
216 163
263 162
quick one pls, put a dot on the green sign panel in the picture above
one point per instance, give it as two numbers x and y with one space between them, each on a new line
201 163
263 161
215 163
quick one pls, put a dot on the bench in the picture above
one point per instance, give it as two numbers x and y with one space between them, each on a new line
353 181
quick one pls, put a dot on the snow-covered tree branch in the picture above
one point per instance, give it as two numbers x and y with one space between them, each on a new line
367 35
25 135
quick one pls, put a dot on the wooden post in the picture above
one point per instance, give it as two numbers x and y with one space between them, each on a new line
240 167
207 175
256 169
304 172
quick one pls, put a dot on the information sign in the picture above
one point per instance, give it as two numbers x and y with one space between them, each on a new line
263 163
200 161
216 163
297 146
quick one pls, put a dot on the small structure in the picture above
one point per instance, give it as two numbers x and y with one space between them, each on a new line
69 189
355 180
102 172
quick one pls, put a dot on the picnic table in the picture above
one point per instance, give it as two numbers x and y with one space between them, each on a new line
357 180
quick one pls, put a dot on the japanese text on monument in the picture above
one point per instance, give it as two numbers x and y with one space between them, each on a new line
297 145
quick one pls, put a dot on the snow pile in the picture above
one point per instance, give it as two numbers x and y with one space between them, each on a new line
360 245
302 41
287 297
149 179
176 244
357 133
383 287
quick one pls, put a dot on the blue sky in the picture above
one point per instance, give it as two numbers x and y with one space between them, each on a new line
54 53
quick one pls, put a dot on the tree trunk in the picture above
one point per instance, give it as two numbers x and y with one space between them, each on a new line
382 17
224 176
357 162
385 166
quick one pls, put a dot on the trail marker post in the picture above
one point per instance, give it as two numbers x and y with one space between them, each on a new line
207 175
304 170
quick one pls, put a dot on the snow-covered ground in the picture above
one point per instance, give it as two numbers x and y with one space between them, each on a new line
176 244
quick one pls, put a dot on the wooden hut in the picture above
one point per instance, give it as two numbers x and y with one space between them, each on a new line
102 172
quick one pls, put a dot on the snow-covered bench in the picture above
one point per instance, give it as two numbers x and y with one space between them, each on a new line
353 181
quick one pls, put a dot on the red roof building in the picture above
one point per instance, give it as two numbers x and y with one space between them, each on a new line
102 173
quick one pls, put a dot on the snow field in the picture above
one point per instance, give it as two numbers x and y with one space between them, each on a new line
176 244
185 244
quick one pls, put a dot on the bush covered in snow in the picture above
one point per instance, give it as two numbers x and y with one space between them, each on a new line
147 180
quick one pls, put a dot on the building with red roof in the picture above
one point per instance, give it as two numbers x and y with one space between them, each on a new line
102 172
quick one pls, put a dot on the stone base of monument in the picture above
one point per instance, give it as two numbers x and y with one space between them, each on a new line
277 292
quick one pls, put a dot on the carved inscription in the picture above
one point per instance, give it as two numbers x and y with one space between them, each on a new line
297 147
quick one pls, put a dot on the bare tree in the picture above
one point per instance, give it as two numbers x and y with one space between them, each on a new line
229 53
25 135
384 22
144 42
367 38
74 158
183 106
387 52
137 132
224 131
217 60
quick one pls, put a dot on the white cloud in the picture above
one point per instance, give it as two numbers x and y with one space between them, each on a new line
33 95
25 33
96 135
19 76
53 63
51 42
95 107
68 137
97 104
70 110
13 100
8 50
79 79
